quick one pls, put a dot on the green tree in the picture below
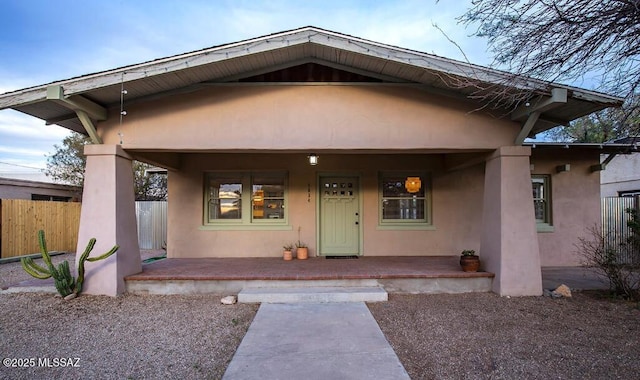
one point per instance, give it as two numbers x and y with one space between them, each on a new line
149 186
604 126
68 163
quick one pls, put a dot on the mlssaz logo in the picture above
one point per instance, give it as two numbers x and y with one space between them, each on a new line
58 362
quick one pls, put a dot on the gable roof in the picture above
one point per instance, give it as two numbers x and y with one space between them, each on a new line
232 62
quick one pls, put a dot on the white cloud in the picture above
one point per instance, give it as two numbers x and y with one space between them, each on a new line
23 151
17 125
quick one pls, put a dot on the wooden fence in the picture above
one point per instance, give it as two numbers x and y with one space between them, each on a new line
21 219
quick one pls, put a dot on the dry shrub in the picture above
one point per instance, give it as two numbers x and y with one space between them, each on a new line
606 258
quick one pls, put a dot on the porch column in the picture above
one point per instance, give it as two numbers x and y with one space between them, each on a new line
509 245
108 214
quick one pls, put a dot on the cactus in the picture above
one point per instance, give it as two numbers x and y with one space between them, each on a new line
85 257
65 283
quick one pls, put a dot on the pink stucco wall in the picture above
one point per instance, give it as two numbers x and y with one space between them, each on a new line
509 245
285 117
575 200
455 228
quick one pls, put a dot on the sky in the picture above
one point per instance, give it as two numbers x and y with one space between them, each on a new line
43 41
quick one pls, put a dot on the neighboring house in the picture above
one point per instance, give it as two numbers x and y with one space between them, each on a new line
355 147
11 188
622 175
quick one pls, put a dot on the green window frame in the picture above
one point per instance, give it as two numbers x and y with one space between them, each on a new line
245 198
400 207
541 190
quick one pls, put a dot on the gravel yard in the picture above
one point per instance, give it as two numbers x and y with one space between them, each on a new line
484 336
468 336
128 337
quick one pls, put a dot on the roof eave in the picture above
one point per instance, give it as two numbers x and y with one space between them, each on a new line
86 83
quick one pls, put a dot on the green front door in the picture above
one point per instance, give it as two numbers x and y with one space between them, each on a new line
339 216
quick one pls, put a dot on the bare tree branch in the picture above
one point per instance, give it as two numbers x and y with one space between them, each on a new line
594 42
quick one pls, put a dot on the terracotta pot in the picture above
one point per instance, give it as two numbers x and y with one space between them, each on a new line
287 255
302 253
470 263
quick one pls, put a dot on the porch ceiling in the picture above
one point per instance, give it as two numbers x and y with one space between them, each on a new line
228 63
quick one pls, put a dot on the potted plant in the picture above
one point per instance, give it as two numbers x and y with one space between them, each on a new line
469 261
287 254
302 251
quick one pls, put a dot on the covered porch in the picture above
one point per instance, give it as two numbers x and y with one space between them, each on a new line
396 274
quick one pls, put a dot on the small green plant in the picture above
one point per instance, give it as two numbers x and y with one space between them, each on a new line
468 252
288 246
65 283
300 243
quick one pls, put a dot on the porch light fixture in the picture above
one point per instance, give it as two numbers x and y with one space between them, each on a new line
313 159
413 184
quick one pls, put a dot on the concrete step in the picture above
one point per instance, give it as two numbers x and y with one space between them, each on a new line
313 295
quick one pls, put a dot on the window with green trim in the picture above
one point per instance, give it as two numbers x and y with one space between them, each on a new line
404 198
245 198
541 187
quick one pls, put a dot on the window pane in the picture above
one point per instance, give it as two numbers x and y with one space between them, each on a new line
271 187
540 191
403 209
268 209
268 197
403 197
225 198
396 186
538 188
541 210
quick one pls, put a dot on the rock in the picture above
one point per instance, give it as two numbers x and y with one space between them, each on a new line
228 300
561 291
70 296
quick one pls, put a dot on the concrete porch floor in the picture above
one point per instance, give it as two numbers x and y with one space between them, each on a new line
396 274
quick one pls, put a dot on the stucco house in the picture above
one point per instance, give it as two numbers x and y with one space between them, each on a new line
352 146
622 177
12 188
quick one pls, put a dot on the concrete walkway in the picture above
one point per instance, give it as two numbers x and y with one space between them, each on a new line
315 341
576 278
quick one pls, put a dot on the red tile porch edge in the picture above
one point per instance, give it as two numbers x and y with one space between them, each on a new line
232 269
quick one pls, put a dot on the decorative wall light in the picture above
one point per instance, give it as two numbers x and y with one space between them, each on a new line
313 159
413 184
563 168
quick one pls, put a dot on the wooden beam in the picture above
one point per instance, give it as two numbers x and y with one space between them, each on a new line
558 98
59 119
76 102
168 160
603 165
87 123
460 161
527 127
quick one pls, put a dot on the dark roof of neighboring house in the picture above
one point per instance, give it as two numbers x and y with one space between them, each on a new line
99 93
604 148
37 184
628 140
